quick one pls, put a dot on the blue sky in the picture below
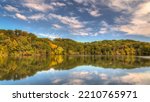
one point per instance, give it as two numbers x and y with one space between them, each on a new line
80 20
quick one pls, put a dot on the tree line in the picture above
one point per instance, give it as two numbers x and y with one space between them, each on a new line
22 43
106 47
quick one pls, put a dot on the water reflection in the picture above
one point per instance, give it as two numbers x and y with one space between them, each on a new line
75 70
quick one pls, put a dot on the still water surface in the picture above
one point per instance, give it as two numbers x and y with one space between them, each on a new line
75 70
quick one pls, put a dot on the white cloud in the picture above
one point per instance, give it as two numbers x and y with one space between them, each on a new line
122 20
94 12
50 36
133 19
80 32
58 4
11 8
8 15
37 17
85 2
20 16
41 5
80 1
103 29
121 5
143 9
135 15
76 27
71 21
38 5
57 26
139 22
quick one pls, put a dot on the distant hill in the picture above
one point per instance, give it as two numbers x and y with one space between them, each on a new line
21 43
106 47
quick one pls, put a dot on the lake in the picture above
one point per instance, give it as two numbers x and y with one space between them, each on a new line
75 70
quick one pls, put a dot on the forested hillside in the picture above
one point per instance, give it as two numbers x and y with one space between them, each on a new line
106 47
17 42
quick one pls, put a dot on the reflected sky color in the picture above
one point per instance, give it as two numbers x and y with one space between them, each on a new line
75 70
88 75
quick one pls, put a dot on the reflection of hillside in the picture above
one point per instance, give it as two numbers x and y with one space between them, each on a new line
126 62
18 68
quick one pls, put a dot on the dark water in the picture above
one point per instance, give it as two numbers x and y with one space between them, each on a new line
69 70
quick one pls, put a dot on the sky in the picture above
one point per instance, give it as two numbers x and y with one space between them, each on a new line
80 20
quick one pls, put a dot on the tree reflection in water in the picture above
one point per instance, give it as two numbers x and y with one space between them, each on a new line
15 68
